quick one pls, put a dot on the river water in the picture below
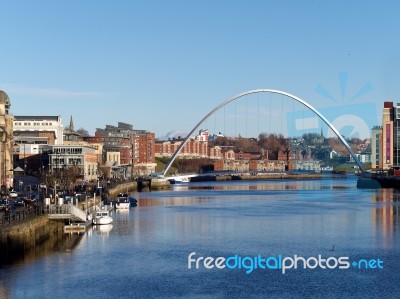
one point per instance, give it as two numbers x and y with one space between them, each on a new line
145 252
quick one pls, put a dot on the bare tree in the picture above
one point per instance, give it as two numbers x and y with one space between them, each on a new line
83 132
65 178
272 143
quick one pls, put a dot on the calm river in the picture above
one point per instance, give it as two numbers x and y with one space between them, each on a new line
347 239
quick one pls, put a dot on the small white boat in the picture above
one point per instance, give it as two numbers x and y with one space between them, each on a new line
180 180
102 217
122 201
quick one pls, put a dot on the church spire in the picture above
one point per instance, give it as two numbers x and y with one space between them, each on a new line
71 124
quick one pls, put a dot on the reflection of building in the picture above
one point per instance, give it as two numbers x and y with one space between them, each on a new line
6 137
386 215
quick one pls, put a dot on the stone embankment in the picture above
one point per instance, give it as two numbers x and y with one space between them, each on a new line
20 237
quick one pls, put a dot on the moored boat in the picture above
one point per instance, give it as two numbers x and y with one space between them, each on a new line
102 217
179 180
122 201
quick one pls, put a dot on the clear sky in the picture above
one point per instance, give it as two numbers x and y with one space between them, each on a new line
163 65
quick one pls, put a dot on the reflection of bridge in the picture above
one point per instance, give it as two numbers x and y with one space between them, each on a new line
283 93
212 174
242 175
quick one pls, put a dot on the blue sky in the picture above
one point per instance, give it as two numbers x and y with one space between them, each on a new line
163 65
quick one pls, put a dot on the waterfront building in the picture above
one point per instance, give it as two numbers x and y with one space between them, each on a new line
193 149
229 154
41 127
215 152
145 142
33 158
364 158
385 139
33 136
376 148
266 165
163 149
232 165
396 134
387 135
7 142
61 157
136 147
244 165
305 165
113 158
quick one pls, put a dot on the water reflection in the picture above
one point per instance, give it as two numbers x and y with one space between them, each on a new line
385 214
173 201
328 184
103 230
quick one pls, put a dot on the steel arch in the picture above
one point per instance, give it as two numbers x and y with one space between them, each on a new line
269 91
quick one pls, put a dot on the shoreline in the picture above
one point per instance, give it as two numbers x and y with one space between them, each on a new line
266 177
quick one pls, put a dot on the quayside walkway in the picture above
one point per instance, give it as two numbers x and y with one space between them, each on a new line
65 211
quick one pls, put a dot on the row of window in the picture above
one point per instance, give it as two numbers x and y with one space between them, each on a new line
71 161
68 150
32 124
92 170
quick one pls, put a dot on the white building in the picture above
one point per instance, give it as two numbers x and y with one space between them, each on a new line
203 135
49 127
363 158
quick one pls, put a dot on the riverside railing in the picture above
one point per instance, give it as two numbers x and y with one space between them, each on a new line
12 217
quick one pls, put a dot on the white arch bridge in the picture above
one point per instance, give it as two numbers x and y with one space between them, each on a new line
273 91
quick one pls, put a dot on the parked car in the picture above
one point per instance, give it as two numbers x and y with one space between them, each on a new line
30 201
3 204
34 197
20 201
13 194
